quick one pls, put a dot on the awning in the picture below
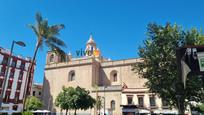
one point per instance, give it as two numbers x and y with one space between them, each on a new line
129 110
144 111
157 111
169 111
41 111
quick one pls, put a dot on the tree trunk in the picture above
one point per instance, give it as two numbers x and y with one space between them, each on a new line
181 107
29 73
66 111
74 111
33 61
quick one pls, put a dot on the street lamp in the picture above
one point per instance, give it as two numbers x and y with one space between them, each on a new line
20 43
104 108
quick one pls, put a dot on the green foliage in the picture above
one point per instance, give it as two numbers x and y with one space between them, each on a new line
74 98
27 113
48 35
33 103
82 99
199 108
63 99
159 64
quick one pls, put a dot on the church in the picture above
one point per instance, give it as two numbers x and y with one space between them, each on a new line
122 91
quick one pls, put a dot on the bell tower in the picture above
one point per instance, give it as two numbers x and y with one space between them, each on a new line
91 48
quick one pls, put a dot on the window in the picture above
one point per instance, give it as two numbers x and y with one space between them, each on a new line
15 107
18 86
152 101
3 70
52 58
33 93
9 85
140 101
20 76
16 98
1 83
71 76
113 105
13 64
5 60
6 99
114 76
22 66
129 99
12 73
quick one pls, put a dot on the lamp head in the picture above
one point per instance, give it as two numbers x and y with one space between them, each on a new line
20 43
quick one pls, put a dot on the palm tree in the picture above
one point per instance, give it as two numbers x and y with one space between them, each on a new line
47 35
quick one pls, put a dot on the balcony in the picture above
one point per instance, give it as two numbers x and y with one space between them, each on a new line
110 88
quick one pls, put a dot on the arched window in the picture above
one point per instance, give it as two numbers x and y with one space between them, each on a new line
113 105
71 76
114 76
52 58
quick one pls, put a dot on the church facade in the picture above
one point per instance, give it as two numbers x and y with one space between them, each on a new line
122 91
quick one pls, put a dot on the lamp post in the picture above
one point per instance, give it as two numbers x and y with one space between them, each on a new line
20 43
104 108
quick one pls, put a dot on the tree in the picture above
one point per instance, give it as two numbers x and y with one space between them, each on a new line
47 35
33 103
63 99
74 98
159 64
198 107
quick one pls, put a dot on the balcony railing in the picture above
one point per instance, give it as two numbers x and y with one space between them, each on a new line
110 88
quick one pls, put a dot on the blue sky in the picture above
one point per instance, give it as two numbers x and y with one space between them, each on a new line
118 26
